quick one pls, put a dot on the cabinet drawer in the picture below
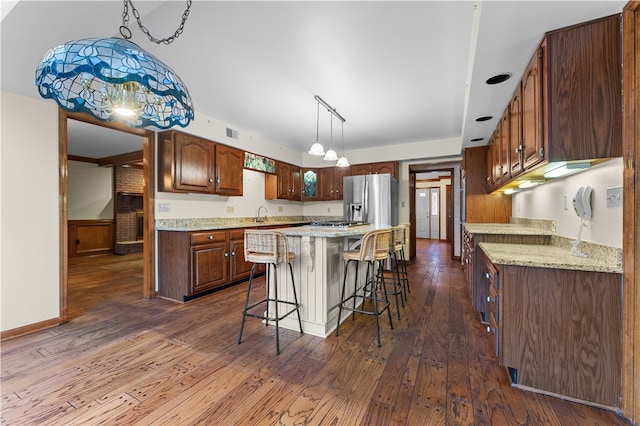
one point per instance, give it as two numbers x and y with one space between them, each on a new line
207 237
494 331
236 234
492 301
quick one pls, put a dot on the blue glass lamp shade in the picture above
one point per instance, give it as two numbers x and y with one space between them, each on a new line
109 76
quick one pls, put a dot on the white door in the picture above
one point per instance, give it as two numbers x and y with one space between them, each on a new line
435 213
422 213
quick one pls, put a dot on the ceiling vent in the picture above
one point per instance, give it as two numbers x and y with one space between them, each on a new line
233 134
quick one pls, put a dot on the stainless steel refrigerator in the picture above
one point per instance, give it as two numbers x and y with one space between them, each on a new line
371 199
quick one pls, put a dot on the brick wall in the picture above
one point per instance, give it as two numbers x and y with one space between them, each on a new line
128 180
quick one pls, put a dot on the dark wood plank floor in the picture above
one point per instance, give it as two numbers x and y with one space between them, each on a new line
123 359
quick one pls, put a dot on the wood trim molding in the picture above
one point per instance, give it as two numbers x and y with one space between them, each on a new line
148 167
28 329
630 392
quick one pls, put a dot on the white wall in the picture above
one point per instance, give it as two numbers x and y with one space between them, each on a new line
546 202
29 222
442 186
90 191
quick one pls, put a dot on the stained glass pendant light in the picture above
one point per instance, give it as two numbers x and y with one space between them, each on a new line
115 79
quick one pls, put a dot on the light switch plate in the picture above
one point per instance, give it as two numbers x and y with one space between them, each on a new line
164 207
614 196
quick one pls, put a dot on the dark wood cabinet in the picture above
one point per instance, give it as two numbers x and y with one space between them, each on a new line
390 167
331 182
582 86
188 163
191 263
557 330
479 205
515 134
209 261
531 148
285 184
568 105
228 162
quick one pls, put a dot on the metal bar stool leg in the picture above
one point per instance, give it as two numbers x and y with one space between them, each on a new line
295 296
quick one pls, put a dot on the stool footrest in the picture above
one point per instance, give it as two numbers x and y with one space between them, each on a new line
271 318
362 310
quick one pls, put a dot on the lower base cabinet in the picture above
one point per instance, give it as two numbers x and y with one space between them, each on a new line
191 263
558 330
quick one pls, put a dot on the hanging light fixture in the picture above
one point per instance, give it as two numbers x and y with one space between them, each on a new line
342 161
317 148
113 77
331 155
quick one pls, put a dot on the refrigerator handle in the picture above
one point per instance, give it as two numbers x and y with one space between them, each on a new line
365 200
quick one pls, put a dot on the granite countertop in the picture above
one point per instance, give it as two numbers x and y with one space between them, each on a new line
505 228
205 224
553 256
329 232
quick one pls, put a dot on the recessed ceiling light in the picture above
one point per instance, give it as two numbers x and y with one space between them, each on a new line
498 78
484 118
476 140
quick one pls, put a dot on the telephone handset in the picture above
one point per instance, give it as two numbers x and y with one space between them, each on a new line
582 202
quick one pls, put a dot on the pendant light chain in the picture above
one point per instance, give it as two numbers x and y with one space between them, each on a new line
126 32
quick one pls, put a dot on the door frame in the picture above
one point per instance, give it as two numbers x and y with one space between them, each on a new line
148 170
412 205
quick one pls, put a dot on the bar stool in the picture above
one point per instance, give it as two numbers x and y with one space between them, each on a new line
403 261
392 268
374 249
399 266
270 248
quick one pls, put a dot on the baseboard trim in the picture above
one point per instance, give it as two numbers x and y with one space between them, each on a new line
28 329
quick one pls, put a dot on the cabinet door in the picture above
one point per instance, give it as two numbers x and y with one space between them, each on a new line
283 172
338 174
515 133
310 184
505 149
532 152
326 183
240 268
390 167
295 184
362 169
229 168
194 163
496 152
209 266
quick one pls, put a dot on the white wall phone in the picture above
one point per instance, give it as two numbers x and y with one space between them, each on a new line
582 206
582 202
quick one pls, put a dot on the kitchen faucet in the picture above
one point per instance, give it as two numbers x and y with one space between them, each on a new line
264 218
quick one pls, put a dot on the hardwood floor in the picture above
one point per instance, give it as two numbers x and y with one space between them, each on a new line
123 359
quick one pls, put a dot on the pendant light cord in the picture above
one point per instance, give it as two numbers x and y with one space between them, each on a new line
126 32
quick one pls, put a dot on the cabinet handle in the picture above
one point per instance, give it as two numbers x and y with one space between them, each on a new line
210 237
226 254
488 275
490 330
490 299
233 253
210 180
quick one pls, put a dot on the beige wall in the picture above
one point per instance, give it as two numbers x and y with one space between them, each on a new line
90 191
29 221
546 202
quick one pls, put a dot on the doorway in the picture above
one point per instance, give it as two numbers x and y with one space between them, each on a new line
147 160
428 213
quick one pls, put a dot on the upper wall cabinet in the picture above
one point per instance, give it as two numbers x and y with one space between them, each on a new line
582 82
285 184
390 167
187 163
568 105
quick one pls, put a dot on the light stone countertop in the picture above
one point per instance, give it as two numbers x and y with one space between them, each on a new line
505 228
205 224
553 256
329 231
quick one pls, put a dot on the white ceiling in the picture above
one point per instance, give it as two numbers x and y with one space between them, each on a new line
398 72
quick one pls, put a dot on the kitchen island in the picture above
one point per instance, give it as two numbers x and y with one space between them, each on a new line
318 274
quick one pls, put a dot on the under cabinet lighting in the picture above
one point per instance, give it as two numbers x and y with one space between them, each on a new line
565 169
529 184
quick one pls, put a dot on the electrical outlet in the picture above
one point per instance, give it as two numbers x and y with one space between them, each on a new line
229 209
328 209
565 202
614 196
164 207
280 209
